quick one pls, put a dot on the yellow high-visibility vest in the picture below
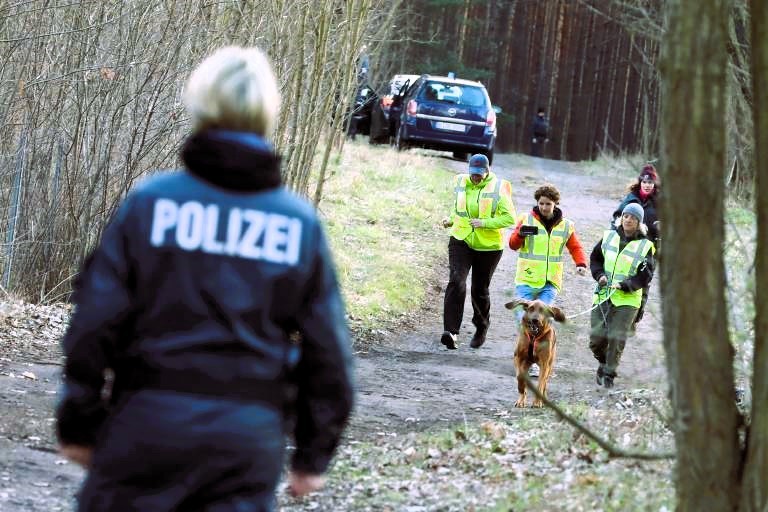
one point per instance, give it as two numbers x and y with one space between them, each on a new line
488 202
618 266
540 258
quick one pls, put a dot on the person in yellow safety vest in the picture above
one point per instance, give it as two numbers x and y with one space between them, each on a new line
540 237
482 208
622 264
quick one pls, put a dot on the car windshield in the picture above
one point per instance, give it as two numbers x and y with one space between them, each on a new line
453 93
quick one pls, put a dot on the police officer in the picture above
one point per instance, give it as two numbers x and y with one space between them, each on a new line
213 300
482 208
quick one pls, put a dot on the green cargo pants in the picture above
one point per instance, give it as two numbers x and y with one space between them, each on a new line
611 326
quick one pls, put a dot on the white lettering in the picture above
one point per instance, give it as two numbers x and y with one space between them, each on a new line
294 242
189 231
164 218
234 228
210 244
275 238
250 234
248 247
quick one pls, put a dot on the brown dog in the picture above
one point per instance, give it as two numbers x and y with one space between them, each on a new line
535 344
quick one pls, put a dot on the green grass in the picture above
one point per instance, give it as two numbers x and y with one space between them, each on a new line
618 165
382 211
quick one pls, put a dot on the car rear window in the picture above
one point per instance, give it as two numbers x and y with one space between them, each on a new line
453 93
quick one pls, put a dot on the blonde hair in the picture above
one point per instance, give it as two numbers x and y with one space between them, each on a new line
233 89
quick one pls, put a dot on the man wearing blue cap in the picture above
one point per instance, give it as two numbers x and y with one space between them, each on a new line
481 210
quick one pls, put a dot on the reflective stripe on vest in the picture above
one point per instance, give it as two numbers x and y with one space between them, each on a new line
488 203
538 260
619 266
461 197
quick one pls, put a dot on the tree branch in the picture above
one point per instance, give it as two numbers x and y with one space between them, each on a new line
613 450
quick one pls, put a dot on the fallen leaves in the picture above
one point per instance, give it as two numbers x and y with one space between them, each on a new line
31 332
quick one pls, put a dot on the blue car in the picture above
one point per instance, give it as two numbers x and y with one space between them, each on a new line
447 114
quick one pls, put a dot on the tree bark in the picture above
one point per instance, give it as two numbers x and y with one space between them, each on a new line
755 495
699 354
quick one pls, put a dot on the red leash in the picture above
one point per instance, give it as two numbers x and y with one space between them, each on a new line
535 341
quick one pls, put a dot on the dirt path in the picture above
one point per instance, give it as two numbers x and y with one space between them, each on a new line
417 384
410 383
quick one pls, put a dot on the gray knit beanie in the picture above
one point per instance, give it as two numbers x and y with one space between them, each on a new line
635 210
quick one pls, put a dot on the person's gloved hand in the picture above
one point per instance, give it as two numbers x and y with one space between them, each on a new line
582 271
476 223
602 281
447 222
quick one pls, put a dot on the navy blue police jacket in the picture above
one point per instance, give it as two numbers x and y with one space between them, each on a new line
217 280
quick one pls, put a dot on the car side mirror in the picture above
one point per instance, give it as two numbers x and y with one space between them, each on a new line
497 109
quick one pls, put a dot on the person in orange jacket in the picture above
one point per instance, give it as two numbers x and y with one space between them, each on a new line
540 238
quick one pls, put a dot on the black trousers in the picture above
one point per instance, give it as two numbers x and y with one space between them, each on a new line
611 326
462 258
537 148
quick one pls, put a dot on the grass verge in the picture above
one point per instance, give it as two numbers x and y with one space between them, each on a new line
382 210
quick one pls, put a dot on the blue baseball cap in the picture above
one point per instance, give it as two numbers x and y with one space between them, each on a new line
478 164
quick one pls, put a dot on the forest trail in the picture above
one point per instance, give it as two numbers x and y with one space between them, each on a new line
415 383
408 383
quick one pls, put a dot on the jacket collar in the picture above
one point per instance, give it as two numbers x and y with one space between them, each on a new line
232 160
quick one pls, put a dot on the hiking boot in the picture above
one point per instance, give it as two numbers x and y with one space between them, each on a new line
608 381
533 371
450 340
600 377
478 339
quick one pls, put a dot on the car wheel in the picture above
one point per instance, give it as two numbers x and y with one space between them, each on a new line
460 155
489 154
400 144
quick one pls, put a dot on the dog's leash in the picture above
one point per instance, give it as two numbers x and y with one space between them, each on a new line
599 293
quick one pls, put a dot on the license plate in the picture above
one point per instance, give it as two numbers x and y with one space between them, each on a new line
453 127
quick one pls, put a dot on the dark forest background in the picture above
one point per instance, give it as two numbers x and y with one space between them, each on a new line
591 65
90 94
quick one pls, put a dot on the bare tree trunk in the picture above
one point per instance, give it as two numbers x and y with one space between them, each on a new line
97 87
754 493
699 354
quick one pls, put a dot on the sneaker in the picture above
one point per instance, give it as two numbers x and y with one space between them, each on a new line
477 340
608 381
533 371
600 377
450 340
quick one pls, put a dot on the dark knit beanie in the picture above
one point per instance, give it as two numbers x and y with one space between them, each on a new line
648 172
